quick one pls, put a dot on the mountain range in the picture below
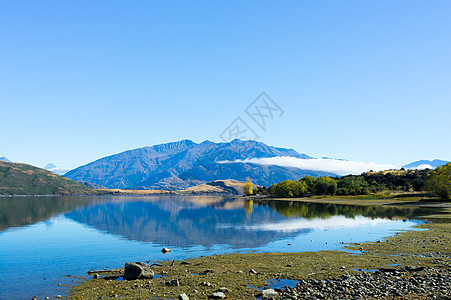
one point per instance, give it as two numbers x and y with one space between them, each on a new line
184 164
426 164
4 159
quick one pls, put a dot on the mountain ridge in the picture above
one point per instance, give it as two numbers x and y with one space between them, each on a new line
424 162
183 164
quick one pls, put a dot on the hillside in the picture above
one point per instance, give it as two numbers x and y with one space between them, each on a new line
183 164
216 187
22 179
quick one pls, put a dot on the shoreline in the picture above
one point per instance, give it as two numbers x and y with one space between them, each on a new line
427 249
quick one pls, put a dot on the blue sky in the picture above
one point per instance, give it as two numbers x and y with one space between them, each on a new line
365 81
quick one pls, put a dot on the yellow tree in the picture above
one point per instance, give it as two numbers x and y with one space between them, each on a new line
247 188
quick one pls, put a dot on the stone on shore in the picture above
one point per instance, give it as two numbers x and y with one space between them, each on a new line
174 282
218 295
270 294
137 270
183 297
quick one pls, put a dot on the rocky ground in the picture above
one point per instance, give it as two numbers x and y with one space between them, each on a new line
390 283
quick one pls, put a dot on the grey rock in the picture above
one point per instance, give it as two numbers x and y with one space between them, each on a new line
218 295
223 289
270 294
174 282
137 270
166 250
183 297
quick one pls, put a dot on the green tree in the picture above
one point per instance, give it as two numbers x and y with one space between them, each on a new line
325 185
439 182
310 183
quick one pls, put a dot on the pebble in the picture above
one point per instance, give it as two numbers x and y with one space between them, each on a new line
218 295
183 297
174 282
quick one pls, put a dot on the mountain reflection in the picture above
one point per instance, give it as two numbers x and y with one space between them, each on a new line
22 211
183 221
180 221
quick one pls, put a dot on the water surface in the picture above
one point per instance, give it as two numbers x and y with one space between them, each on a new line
42 239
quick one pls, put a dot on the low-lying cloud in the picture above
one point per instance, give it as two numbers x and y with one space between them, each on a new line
340 167
422 167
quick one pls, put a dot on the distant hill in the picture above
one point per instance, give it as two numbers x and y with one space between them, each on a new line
426 164
216 187
183 164
22 179
55 169
4 159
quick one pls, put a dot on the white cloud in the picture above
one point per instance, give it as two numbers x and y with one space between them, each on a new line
422 167
340 167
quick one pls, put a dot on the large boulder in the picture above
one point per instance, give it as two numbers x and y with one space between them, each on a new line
137 270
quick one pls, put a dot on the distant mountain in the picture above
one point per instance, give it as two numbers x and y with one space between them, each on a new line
55 169
22 179
184 164
4 159
426 164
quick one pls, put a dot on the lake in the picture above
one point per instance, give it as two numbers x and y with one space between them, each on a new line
44 239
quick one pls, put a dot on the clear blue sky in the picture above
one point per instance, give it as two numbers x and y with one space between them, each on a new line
361 80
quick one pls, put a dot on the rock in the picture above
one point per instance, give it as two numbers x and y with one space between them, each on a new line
223 289
414 269
59 296
218 295
137 270
205 283
270 294
183 297
185 263
96 276
252 271
165 250
174 282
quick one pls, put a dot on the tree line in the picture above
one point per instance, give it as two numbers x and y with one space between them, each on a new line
437 181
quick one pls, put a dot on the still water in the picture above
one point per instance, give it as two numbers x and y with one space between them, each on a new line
43 239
